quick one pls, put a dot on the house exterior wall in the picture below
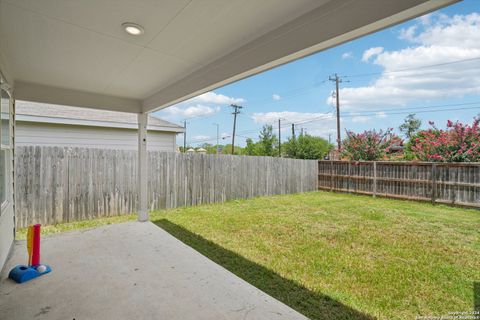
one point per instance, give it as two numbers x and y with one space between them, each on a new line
47 134
7 219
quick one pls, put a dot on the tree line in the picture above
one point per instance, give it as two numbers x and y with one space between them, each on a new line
304 146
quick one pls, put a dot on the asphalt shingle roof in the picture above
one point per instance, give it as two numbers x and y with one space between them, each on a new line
75 113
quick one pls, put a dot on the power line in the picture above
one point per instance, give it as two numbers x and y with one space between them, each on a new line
424 107
421 111
360 112
372 112
366 113
299 90
291 93
413 68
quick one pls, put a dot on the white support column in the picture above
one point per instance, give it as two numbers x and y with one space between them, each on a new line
142 168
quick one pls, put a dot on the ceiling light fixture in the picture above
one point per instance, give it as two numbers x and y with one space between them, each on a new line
133 28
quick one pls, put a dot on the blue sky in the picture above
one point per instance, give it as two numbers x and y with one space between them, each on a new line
429 66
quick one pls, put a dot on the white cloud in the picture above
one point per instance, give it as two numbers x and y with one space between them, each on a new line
215 98
426 19
347 55
371 53
205 104
435 41
381 115
201 137
189 112
408 33
357 118
276 97
322 131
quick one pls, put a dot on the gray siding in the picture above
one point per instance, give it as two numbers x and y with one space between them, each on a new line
59 135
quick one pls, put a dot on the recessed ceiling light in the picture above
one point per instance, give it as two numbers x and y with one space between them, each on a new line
133 28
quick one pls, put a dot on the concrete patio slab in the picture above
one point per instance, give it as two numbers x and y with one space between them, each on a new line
130 270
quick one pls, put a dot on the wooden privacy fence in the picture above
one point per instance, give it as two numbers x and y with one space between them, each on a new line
448 183
56 184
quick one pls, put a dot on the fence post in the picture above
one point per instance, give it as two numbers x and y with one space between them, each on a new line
349 175
331 175
434 182
374 179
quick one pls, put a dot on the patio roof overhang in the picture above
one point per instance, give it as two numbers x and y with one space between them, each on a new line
76 52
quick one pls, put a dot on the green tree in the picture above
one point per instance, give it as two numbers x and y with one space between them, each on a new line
306 147
227 149
211 149
251 149
267 142
410 126
289 148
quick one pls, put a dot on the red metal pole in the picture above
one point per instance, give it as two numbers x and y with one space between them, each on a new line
36 245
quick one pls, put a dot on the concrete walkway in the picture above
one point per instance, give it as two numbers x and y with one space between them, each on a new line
131 270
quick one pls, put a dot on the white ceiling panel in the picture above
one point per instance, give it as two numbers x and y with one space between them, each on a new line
106 16
148 72
54 53
210 29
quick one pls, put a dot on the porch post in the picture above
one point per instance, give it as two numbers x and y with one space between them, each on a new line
142 168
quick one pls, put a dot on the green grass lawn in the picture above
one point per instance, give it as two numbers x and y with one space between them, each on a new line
338 256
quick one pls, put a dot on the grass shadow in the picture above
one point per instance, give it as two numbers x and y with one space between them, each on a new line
305 301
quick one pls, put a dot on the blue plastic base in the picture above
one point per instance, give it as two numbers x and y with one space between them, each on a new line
22 273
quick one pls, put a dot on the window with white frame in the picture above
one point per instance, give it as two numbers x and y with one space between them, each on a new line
5 146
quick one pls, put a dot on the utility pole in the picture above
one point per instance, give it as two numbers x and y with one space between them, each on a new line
216 147
293 131
337 80
279 139
185 136
301 131
237 111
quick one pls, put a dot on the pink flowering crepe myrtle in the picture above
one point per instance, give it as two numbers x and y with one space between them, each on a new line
369 145
457 143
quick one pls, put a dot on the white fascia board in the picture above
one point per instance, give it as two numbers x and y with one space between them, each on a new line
61 96
153 127
327 26
93 123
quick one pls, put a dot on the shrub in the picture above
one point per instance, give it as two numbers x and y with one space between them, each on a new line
306 147
369 145
457 143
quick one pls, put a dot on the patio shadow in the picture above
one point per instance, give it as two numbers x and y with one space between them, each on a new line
305 301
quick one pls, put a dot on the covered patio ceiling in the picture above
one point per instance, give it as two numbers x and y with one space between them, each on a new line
77 53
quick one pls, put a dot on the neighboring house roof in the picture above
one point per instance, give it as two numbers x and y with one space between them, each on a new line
50 113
